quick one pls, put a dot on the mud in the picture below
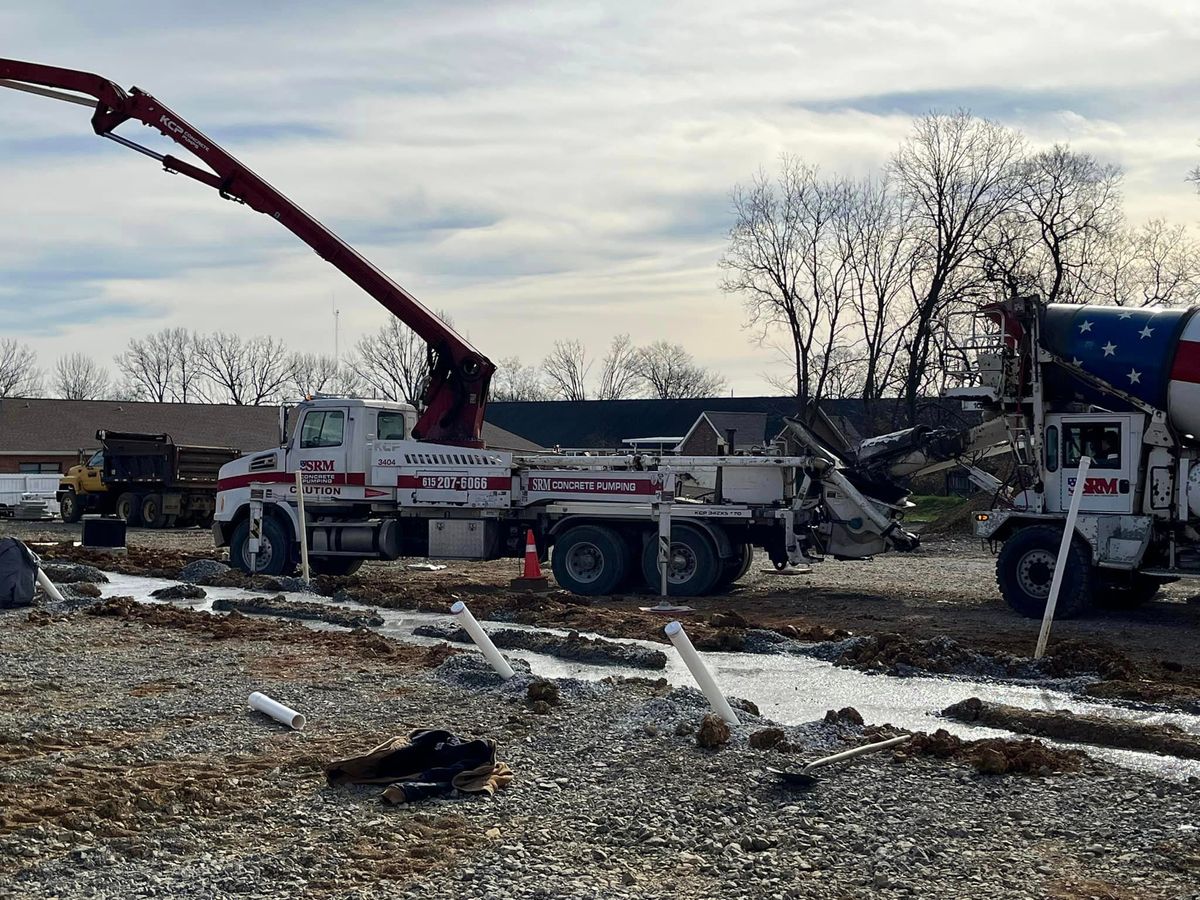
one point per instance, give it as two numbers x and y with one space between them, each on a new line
991 756
1060 725
572 646
180 592
360 643
284 607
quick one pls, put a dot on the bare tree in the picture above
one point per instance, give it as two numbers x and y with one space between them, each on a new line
514 381
670 373
19 374
163 367
78 377
312 373
1156 264
394 363
566 370
620 377
1071 199
248 372
789 257
957 175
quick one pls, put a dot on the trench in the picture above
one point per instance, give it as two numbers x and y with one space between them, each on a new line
790 689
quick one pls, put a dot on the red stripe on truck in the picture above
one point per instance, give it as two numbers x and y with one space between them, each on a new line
237 481
1187 362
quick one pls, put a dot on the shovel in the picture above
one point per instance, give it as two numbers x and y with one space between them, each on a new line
805 778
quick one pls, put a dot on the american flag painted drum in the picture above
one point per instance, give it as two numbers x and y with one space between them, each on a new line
1153 354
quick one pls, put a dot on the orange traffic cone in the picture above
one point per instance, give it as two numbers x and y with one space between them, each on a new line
532 579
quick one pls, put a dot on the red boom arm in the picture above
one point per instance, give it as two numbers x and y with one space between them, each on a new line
460 374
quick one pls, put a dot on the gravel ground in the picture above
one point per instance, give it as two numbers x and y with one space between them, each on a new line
132 769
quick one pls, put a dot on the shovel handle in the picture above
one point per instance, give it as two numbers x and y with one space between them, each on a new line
856 751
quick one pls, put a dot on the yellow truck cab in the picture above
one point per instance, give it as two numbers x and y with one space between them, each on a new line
80 481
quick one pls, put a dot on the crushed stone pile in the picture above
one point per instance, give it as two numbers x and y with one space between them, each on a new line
572 646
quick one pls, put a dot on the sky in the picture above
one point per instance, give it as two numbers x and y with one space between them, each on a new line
540 172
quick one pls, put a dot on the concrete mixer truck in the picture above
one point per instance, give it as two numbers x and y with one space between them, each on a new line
1121 386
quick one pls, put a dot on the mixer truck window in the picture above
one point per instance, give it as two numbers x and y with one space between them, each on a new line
1100 441
391 426
1052 448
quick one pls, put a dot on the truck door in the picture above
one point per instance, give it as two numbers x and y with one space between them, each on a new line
91 474
321 451
1114 444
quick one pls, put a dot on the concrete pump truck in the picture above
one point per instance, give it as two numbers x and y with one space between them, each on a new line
383 480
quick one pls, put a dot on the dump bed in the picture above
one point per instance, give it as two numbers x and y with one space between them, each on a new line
132 458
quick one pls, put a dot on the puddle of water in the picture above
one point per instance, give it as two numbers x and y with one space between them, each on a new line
788 689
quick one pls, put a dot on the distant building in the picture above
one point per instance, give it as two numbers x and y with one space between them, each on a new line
650 424
45 436
716 433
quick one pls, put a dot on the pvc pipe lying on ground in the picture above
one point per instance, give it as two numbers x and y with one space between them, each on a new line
856 751
482 641
699 670
277 711
48 586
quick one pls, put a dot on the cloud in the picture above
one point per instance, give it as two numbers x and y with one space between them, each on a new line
541 172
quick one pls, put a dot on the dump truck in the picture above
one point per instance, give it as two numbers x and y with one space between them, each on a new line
145 479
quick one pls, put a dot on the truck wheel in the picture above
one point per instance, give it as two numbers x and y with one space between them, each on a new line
1025 568
70 507
694 566
590 560
152 511
734 568
274 549
129 508
1128 592
334 565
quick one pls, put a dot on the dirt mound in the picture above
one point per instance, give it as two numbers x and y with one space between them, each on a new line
282 606
1060 725
360 643
152 562
573 646
1069 658
180 592
898 655
992 756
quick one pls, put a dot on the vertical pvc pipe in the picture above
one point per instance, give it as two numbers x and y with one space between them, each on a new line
277 711
482 641
303 525
664 545
699 670
48 586
1060 565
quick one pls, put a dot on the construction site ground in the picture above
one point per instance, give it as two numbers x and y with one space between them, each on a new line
129 772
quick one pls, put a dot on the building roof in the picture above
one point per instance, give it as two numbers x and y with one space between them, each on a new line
65 426
604 424
749 428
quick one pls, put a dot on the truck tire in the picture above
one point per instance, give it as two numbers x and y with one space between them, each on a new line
1025 568
152 511
1128 592
274 549
129 508
734 568
694 567
70 507
334 565
590 560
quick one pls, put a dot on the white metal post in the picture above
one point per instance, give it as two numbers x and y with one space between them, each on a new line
303 525
666 497
1064 548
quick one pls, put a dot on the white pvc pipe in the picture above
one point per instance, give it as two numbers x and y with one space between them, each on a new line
48 586
700 672
277 711
1060 564
481 639
303 525
856 751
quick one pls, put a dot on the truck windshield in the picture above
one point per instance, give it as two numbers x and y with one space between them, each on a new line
322 428
97 459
